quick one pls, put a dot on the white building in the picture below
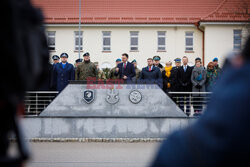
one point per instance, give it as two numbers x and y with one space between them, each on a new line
145 28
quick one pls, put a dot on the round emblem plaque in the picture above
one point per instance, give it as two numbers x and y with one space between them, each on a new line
135 96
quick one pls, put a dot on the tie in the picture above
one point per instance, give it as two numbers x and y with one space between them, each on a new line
185 68
149 68
124 65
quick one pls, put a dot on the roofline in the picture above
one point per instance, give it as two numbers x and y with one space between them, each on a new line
120 25
222 23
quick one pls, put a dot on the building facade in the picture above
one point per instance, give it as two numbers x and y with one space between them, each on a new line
143 29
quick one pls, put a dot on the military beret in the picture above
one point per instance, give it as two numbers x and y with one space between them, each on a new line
118 60
86 54
78 60
64 55
96 63
177 60
215 59
156 58
134 61
55 57
198 59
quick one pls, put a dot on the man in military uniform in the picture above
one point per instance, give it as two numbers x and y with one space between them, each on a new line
137 70
55 59
85 69
77 62
175 86
112 71
157 63
175 83
100 73
63 73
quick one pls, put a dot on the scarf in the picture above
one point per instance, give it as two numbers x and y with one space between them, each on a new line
199 71
168 71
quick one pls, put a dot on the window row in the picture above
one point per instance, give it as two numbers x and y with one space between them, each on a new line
134 40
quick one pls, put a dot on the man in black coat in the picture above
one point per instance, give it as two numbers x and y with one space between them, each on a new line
151 74
220 137
125 70
184 74
175 86
56 60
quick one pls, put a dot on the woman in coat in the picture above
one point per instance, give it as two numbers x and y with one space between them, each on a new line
198 80
211 77
167 77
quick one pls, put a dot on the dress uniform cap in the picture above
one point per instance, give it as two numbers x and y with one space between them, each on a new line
78 60
156 58
64 55
177 60
55 57
86 54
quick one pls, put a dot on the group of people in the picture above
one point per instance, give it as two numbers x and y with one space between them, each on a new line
180 78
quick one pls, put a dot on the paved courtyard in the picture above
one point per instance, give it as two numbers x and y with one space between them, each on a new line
77 154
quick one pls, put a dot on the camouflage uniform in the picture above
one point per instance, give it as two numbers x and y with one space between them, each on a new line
85 70
101 75
112 74
138 72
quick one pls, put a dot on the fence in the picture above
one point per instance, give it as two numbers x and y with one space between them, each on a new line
37 101
191 102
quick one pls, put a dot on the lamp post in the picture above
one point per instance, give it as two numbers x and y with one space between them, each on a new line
79 33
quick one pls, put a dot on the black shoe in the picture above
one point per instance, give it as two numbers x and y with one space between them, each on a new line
188 113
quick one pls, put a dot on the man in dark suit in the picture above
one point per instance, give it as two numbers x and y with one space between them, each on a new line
125 70
151 74
184 79
63 73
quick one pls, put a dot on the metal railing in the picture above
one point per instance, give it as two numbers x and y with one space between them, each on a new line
192 103
37 101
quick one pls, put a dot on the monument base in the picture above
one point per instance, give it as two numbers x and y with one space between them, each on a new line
66 127
107 111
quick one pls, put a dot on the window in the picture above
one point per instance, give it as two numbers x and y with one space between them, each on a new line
78 41
134 40
106 38
237 39
161 40
189 41
51 40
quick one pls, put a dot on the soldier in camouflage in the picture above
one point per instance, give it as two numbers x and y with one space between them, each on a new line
100 73
85 69
112 71
137 70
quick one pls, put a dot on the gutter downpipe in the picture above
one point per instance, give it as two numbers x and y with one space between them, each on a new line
197 24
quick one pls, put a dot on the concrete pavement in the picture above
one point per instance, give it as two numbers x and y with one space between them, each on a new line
77 154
